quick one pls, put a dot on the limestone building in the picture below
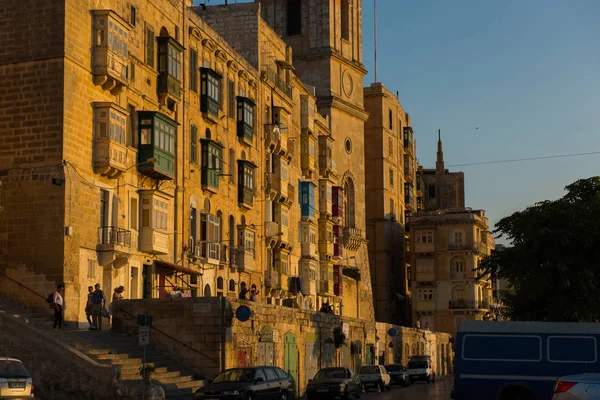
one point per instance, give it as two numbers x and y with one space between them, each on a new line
446 247
390 186
145 151
325 43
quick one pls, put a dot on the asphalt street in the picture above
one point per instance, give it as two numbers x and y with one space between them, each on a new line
440 390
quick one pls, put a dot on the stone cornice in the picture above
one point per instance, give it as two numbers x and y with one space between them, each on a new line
336 102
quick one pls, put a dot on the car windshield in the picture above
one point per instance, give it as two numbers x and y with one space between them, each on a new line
369 370
394 368
331 373
13 369
417 364
235 375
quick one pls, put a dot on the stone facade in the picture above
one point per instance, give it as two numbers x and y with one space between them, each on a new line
446 248
390 170
206 335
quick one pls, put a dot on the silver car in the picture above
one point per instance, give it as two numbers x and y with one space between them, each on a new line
15 381
577 387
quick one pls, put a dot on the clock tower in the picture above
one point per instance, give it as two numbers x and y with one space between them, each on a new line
326 41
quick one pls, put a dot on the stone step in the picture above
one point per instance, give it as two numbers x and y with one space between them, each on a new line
170 369
131 374
132 360
195 384
181 379
127 355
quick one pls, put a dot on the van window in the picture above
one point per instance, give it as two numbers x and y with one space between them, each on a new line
418 364
572 349
502 348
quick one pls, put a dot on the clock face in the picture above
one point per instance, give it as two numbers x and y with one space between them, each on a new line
347 83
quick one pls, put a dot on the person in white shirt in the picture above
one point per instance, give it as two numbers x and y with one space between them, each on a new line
57 301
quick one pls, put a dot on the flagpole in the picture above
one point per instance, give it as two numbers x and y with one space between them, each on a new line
375 35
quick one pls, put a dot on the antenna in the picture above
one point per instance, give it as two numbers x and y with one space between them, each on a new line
375 35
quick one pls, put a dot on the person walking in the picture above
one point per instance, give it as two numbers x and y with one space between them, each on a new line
117 295
88 306
57 301
98 304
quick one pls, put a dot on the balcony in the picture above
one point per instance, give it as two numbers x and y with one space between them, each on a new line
271 136
408 140
462 304
210 252
245 197
352 238
114 245
424 247
338 249
272 231
326 248
154 241
224 257
291 194
277 81
110 158
291 149
245 260
307 113
476 247
425 306
110 55
409 172
157 141
460 276
326 288
409 197
309 250
308 274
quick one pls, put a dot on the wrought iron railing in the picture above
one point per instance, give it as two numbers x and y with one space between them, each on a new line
114 235
279 82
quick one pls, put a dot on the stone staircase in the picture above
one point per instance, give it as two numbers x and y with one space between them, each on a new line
114 348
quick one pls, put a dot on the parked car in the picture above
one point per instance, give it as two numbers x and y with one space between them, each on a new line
252 383
336 383
15 381
375 375
398 374
577 387
420 368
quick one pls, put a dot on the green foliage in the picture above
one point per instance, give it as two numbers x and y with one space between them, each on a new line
339 337
553 265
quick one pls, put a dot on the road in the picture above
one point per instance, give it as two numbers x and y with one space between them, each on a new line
440 390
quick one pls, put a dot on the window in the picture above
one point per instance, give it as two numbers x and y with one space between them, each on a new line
160 214
104 199
281 260
220 283
231 97
391 147
150 38
294 17
210 235
193 70
458 265
211 91
459 293
231 285
431 190
164 136
425 237
345 23
392 207
390 120
132 13
391 177
246 182
572 349
194 144
457 238
132 71
91 270
245 124
211 163
248 241
111 123
133 213
271 375
425 294
116 39
169 57
502 348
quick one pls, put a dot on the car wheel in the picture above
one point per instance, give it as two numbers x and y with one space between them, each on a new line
283 396
428 379
249 396
345 395
357 393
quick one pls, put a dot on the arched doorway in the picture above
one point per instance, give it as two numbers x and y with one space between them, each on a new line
207 290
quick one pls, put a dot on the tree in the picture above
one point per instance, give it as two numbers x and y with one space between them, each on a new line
553 266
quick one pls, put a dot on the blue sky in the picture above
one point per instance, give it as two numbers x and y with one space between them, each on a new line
526 73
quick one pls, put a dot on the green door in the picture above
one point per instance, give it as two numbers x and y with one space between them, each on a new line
291 358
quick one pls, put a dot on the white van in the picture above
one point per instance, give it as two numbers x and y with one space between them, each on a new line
420 368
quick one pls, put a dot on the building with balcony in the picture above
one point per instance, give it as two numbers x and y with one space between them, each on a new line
390 173
446 247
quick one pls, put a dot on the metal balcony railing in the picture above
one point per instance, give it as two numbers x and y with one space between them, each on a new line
115 236
462 304
279 82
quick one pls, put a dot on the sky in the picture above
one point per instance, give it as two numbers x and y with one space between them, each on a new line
503 80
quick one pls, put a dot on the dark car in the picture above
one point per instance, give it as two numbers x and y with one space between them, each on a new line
333 383
252 383
398 374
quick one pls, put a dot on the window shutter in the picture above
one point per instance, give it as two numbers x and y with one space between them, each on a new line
150 47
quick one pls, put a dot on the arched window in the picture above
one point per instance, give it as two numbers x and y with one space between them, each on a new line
207 290
207 206
219 283
391 120
231 285
349 203
220 233
207 134
457 268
